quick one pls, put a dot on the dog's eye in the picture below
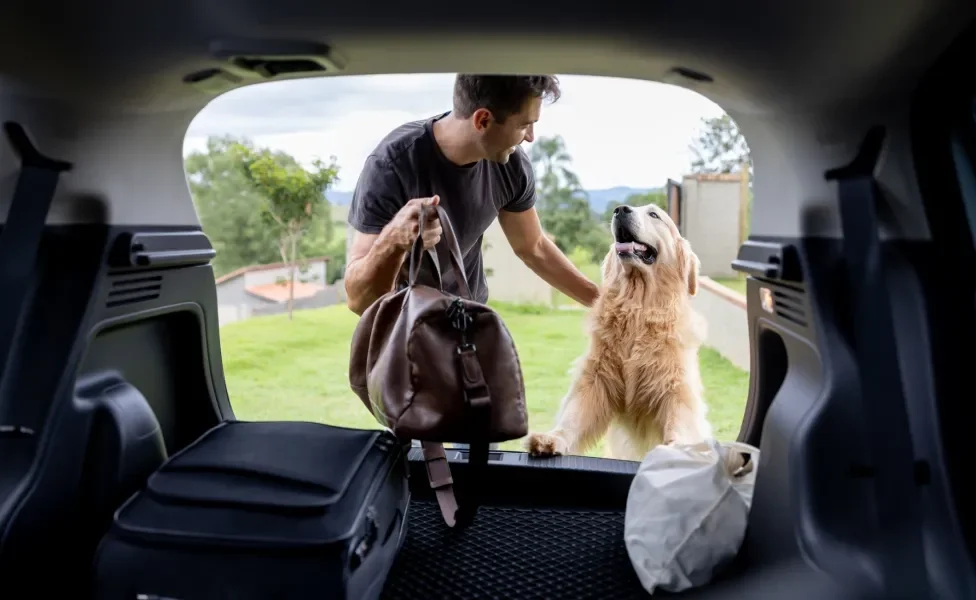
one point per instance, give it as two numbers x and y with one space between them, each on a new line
654 215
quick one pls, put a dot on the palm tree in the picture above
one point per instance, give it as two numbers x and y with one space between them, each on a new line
552 163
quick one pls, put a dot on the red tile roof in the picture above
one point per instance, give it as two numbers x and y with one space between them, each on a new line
278 292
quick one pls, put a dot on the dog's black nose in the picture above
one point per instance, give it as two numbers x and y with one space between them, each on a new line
621 209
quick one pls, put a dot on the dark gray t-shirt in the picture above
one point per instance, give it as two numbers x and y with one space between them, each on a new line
408 164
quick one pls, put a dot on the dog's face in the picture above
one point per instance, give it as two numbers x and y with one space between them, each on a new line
646 239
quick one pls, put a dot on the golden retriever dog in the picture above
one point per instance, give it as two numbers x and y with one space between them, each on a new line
639 380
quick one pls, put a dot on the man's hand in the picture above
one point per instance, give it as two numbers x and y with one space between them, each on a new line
375 259
402 230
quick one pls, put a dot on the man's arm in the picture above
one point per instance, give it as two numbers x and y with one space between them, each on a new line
371 269
375 259
539 253
376 254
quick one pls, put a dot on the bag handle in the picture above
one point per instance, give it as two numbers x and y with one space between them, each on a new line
415 266
741 447
749 454
448 237
417 255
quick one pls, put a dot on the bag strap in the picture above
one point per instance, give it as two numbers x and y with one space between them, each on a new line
21 235
440 479
478 401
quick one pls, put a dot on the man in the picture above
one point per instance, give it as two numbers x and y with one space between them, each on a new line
469 162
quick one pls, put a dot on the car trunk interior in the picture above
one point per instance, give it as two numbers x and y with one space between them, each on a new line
114 357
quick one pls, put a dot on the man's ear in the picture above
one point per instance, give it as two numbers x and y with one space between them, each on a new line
481 119
692 266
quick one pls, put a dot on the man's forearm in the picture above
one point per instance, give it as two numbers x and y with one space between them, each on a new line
549 263
373 275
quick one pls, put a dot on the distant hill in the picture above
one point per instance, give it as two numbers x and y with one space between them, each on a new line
336 197
598 198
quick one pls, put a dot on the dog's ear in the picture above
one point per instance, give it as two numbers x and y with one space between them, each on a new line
691 267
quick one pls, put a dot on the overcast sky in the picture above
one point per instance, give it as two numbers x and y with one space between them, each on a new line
618 131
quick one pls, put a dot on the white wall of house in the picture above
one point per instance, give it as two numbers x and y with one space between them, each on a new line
235 304
509 280
710 221
231 304
229 313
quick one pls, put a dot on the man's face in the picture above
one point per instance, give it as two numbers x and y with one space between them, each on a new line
499 140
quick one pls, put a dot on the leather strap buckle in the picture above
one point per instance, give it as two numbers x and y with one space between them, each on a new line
438 469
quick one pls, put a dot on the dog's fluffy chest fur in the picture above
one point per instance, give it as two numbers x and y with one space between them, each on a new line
648 352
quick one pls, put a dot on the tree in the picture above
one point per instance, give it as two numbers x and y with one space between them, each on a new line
720 147
230 209
552 163
658 199
563 206
293 201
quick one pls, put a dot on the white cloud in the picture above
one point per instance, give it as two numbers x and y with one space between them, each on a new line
618 131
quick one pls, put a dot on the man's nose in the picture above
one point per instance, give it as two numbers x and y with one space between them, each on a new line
621 210
530 134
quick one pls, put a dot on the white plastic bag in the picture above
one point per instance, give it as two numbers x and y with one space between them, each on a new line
687 511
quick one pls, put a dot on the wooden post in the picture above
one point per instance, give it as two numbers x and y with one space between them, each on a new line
744 224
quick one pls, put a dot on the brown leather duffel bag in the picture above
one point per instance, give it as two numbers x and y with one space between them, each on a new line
435 367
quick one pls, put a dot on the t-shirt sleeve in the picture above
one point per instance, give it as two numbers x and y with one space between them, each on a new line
377 198
525 188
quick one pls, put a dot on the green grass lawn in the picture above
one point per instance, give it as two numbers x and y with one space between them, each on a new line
733 283
278 369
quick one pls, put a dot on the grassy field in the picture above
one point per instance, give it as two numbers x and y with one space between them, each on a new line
278 369
733 283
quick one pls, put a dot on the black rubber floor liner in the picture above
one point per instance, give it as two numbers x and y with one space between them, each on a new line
514 553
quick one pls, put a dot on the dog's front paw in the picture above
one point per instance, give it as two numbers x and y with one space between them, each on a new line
545 444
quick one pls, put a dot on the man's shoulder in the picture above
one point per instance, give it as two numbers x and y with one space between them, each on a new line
521 164
518 170
402 141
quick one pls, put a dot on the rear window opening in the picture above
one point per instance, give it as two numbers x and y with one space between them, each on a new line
660 145
127 328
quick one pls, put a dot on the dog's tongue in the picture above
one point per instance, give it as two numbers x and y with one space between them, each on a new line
629 247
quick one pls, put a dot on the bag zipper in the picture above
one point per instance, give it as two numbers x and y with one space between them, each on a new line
461 321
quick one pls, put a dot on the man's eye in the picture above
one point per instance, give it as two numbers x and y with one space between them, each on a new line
654 215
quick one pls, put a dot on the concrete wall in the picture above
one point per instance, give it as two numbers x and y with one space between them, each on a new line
509 280
728 323
232 303
710 220
326 297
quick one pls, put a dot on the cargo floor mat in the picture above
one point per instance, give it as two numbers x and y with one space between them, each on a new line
514 553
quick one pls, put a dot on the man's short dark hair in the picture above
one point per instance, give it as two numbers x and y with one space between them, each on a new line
503 95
